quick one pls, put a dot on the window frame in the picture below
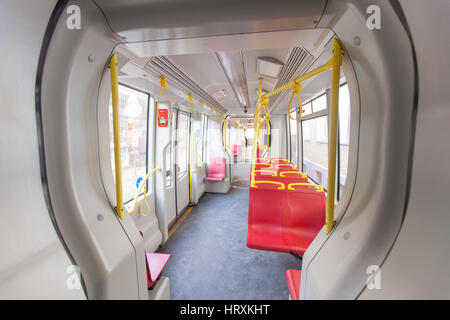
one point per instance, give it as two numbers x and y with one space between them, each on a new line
181 175
147 134
318 114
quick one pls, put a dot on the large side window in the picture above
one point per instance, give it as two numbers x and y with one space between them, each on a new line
344 134
133 114
293 133
315 139
182 144
315 149
214 147
199 136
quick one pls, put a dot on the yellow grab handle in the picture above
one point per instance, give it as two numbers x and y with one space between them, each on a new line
163 84
262 164
133 208
274 174
278 165
146 203
270 182
320 188
303 175
295 91
263 159
279 159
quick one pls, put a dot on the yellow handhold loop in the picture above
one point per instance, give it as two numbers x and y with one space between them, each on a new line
163 84
201 108
191 101
295 91
146 203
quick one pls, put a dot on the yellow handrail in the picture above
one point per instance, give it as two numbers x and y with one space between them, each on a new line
278 165
116 132
279 159
133 208
163 84
274 174
270 182
290 185
336 62
303 175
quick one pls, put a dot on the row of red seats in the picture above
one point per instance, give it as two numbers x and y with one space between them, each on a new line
285 211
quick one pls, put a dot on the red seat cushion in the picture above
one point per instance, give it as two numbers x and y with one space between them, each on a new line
216 169
293 278
235 149
284 220
155 265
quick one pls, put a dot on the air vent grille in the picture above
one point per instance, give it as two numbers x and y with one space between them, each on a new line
163 65
298 62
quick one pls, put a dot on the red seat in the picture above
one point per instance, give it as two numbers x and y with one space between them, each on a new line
284 220
235 149
155 264
216 169
293 278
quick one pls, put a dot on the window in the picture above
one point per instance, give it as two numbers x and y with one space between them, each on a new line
214 140
315 140
133 115
344 134
315 152
169 153
199 137
320 103
293 129
182 144
306 109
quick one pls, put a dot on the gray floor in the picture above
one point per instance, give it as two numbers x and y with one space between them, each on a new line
210 259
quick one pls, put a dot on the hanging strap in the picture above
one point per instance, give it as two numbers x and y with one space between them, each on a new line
146 203
190 101
163 84
295 91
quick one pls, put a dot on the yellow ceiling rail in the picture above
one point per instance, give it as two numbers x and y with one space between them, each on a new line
163 84
116 133
142 186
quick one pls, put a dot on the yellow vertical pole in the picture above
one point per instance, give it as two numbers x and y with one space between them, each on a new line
191 164
116 130
332 135
255 132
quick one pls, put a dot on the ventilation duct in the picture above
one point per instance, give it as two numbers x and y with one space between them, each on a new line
298 62
233 67
163 65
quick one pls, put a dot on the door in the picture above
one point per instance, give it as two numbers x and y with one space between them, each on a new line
182 163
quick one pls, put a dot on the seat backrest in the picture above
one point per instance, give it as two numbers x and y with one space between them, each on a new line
266 206
235 149
216 166
306 209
